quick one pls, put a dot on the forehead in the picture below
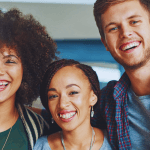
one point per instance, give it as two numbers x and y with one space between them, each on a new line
7 51
70 74
122 11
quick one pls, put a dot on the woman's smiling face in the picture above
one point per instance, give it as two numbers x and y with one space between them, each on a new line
70 98
11 72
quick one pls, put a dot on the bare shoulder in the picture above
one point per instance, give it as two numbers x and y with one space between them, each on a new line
54 140
99 138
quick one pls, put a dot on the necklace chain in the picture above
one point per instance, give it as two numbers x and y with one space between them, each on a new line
6 138
91 144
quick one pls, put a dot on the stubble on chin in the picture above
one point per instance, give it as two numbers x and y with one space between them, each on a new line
135 65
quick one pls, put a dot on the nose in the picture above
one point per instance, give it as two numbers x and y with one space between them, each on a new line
126 31
63 102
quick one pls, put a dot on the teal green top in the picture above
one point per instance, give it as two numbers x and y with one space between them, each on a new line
17 139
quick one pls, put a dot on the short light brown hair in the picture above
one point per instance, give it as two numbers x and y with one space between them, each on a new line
101 6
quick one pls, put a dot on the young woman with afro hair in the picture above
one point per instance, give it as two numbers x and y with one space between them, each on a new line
26 50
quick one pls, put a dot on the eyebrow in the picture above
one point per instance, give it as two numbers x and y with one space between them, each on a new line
134 16
8 56
68 86
113 23
52 89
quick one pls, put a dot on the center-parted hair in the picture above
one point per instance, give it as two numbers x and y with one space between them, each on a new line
57 65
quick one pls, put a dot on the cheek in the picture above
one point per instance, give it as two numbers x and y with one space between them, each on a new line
52 105
140 32
16 77
110 40
146 33
16 73
82 101
113 42
77 101
20 74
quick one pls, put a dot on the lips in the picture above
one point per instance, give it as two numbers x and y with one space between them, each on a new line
3 85
67 116
129 45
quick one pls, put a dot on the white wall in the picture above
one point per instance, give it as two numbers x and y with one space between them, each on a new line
63 21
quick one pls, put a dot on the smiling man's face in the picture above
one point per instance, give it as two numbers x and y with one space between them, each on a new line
126 29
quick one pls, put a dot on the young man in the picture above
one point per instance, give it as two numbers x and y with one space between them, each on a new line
124 26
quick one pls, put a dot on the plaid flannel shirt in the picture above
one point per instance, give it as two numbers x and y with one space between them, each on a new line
114 109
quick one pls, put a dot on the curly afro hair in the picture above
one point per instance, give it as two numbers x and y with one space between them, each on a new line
57 65
33 45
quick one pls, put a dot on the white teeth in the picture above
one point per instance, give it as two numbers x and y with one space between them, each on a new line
3 83
131 45
67 115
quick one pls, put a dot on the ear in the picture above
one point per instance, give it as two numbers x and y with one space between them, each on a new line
93 98
104 42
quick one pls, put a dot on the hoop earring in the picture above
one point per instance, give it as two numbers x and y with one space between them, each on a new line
52 120
92 112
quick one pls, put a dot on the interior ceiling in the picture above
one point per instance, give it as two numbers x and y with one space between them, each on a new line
62 21
88 2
